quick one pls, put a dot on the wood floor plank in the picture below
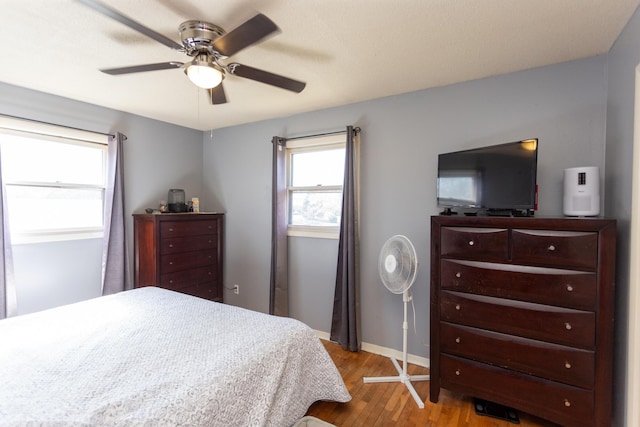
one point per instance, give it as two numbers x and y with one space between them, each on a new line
391 404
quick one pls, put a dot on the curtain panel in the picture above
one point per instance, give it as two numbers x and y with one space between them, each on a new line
8 301
279 283
115 265
345 323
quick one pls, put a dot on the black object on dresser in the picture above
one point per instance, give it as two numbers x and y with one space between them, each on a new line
181 252
522 314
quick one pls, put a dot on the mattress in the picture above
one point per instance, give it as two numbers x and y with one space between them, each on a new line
155 357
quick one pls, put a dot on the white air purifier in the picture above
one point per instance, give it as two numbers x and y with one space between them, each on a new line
582 191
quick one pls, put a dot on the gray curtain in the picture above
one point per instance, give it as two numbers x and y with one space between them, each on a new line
8 302
279 285
345 324
115 266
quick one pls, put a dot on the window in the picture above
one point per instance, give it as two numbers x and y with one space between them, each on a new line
315 173
55 186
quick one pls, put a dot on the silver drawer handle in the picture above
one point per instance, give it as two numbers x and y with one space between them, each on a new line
569 288
567 326
458 372
210 241
458 275
171 229
170 245
170 281
567 403
567 365
457 306
457 340
551 248
170 262
471 243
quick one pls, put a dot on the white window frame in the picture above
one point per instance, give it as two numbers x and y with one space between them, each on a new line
320 143
48 132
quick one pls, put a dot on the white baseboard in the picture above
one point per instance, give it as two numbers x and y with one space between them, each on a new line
384 351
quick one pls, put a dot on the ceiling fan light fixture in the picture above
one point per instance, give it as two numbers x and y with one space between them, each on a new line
203 72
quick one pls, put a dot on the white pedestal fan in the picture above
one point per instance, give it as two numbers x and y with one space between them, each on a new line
398 267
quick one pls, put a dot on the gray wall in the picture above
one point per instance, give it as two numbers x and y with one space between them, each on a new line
622 61
563 105
158 156
56 273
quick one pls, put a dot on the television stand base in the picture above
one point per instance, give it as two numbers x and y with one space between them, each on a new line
448 212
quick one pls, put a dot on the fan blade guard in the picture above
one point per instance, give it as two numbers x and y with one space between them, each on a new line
398 264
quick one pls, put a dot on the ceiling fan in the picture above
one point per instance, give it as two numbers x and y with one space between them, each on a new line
208 45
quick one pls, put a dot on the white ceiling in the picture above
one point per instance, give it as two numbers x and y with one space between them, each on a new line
345 50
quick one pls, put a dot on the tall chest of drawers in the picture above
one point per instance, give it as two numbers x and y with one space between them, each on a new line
181 252
522 314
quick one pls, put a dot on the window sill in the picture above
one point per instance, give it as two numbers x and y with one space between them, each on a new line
314 232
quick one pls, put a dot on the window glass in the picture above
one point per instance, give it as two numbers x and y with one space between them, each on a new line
320 208
324 167
315 176
35 160
53 186
33 208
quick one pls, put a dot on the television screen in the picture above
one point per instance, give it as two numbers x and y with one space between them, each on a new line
495 178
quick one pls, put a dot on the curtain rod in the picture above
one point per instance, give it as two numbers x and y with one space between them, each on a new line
59 125
356 130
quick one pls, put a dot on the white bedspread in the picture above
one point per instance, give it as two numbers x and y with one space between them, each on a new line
159 358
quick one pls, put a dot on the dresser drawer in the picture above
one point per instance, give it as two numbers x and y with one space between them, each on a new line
186 261
563 403
188 228
490 244
536 321
557 248
181 279
552 286
555 362
187 244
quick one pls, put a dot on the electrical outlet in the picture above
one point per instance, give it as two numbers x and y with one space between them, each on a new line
236 289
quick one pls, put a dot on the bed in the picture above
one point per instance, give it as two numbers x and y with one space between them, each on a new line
155 357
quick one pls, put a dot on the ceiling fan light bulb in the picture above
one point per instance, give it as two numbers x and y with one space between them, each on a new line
204 76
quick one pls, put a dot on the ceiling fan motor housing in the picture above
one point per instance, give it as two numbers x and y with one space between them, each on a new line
198 36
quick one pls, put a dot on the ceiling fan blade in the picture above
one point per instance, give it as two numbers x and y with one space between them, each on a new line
252 31
266 77
114 14
217 96
142 68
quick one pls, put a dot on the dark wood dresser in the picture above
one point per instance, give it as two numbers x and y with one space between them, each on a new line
181 252
522 314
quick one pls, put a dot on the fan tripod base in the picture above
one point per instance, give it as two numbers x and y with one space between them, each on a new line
403 378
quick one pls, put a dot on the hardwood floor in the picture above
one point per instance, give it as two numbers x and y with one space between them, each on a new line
391 404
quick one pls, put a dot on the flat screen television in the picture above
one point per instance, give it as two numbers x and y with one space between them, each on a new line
498 179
